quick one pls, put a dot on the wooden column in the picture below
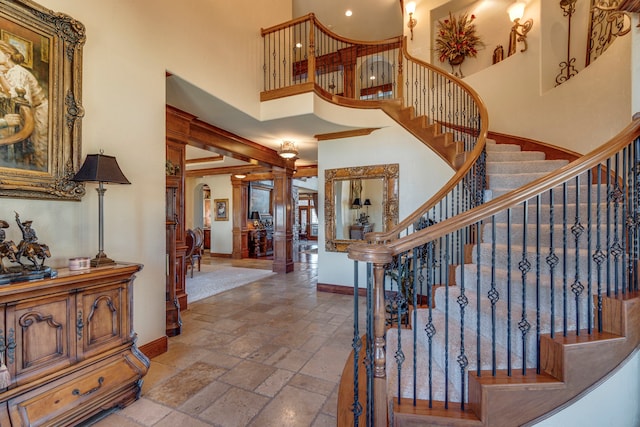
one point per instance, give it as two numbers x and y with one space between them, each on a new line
240 208
283 219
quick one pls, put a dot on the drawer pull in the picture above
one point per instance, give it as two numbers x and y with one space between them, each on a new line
76 392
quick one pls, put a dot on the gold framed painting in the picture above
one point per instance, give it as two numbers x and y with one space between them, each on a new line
222 209
40 102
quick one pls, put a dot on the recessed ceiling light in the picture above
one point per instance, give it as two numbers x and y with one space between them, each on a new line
298 45
372 78
348 12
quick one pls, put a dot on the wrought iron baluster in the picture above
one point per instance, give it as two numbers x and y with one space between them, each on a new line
463 302
356 344
565 309
494 297
552 261
538 284
524 266
577 230
509 233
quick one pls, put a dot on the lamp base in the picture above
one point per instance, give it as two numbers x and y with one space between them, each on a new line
101 260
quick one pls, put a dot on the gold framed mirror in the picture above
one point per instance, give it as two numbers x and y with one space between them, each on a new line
359 200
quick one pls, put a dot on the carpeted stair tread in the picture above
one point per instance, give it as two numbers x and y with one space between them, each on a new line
511 156
523 167
493 147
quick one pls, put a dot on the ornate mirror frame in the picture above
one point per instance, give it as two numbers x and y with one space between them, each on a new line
51 44
390 174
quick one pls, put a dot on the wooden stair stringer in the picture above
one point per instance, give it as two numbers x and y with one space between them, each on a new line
571 366
431 135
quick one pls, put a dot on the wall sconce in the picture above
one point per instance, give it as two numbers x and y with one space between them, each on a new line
518 31
288 150
102 169
411 9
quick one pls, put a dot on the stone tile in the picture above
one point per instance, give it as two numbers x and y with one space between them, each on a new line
179 419
204 398
291 407
330 406
115 420
145 412
290 359
248 375
324 420
181 356
264 352
236 408
327 363
272 385
313 384
157 374
179 388
314 343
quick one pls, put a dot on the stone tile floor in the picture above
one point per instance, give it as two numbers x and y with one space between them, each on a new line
266 354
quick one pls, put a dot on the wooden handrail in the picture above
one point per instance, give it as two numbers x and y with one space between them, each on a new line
363 251
472 157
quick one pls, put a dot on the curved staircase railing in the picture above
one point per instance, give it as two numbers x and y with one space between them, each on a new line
552 264
436 107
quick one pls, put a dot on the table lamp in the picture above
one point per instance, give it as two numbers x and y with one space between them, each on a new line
102 169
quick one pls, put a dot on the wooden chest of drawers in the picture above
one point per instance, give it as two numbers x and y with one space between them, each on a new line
69 346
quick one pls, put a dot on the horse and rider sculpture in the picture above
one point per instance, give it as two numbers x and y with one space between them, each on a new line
29 248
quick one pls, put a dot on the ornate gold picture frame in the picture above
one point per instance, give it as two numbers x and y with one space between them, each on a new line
41 83
389 177
221 207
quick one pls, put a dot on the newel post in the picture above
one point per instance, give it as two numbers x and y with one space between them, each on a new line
379 256
311 60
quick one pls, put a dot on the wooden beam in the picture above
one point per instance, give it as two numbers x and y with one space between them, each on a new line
226 170
205 160
306 171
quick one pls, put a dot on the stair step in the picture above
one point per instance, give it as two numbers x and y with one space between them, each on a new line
517 233
492 147
512 156
523 167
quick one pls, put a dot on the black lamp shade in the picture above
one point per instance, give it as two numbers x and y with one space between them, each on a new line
100 168
367 202
255 215
356 203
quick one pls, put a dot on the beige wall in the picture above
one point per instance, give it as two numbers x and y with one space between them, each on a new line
130 45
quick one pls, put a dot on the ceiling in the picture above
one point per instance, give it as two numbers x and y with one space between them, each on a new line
370 20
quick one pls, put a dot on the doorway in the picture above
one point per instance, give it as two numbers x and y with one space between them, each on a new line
308 216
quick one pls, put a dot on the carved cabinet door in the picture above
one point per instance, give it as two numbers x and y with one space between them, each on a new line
104 322
44 330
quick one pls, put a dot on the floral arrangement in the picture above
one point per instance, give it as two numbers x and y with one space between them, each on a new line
457 38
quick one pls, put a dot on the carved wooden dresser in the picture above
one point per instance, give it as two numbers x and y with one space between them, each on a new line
69 346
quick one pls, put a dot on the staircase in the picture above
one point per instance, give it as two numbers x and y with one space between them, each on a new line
506 307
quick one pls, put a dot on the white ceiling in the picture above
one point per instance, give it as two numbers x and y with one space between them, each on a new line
370 20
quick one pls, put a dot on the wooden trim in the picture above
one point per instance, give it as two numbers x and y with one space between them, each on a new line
220 255
344 134
155 347
218 158
551 152
339 289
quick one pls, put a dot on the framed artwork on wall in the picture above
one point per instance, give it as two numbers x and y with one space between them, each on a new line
260 199
222 209
40 104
